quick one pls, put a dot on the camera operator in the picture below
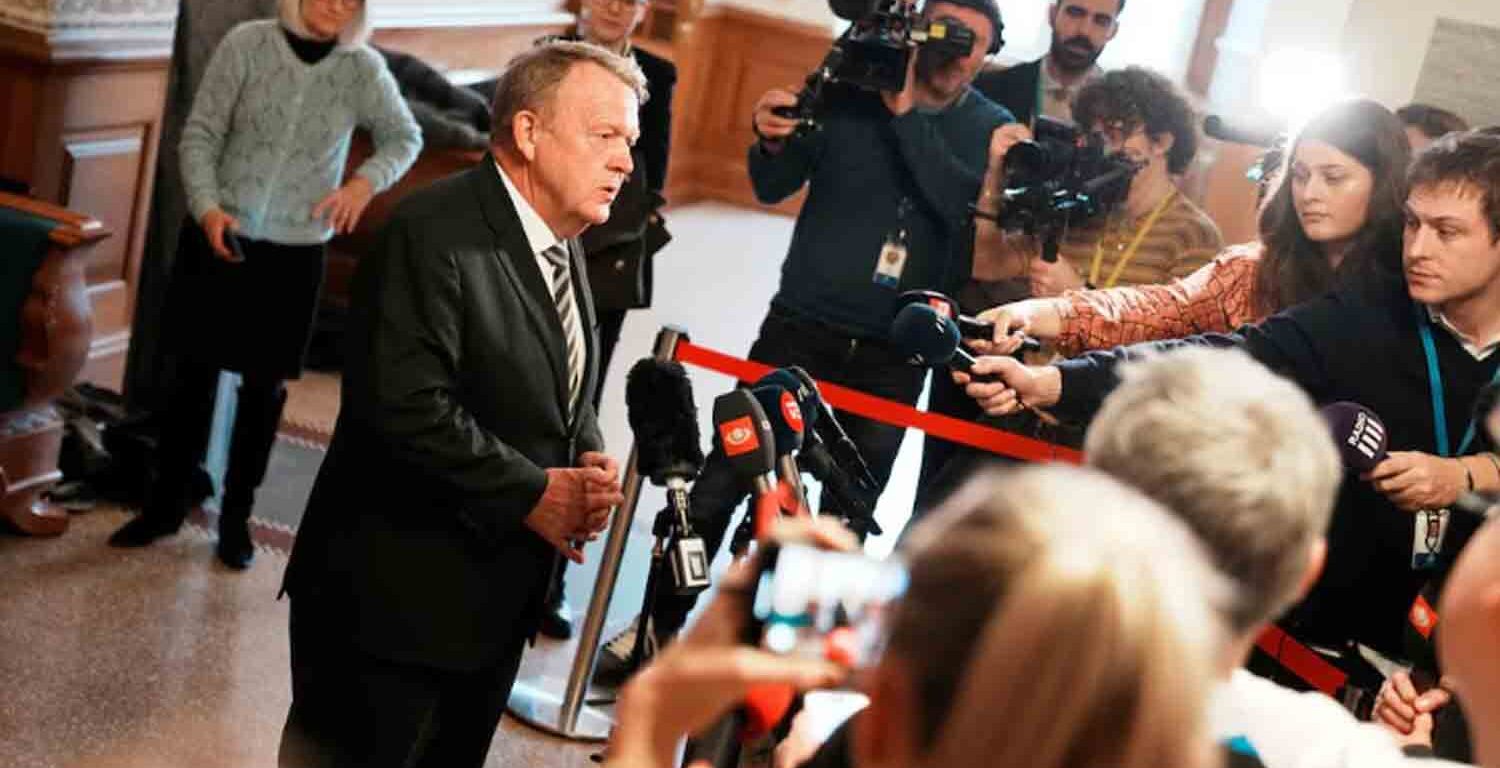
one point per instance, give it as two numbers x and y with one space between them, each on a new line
1156 235
1080 31
890 177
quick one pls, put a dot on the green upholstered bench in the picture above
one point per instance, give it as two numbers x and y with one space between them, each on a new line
45 330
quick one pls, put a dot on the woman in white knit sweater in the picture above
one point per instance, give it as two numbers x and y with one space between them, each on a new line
263 156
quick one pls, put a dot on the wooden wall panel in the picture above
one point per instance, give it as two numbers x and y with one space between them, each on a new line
725 63
465 48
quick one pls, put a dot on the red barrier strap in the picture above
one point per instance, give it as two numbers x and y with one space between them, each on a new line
1301 661
890 412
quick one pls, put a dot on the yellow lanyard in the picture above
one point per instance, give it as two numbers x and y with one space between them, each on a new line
1135 245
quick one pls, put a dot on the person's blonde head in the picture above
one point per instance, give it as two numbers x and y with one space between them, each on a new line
353 35
1236 452
530 81
1055 618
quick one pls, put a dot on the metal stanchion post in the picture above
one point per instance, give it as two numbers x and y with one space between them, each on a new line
568 717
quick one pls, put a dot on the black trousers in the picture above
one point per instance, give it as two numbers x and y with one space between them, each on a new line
828 355
354 710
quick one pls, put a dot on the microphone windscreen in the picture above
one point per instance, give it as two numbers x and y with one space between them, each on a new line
925 336
659 406
781 409
851 10
809 400
1358 433
744 433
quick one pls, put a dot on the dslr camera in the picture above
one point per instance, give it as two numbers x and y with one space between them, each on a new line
1061 178
875 52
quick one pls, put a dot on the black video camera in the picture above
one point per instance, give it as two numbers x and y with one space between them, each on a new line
875 52
1061 178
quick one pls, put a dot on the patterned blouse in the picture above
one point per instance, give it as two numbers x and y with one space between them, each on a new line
1215 298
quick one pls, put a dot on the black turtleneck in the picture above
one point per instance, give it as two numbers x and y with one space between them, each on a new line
309 51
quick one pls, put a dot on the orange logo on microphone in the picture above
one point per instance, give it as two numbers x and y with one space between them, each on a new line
791 412
941 307
738 436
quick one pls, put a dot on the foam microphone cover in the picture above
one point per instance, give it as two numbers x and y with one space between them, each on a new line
924 335
659 406
1358 433
785 415
851 10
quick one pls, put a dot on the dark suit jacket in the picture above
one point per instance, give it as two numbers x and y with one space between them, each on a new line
454 403
1015 88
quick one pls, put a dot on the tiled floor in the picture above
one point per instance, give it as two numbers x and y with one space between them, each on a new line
163 658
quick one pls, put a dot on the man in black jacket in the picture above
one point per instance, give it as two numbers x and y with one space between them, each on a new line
467 454
1080 31
1417 355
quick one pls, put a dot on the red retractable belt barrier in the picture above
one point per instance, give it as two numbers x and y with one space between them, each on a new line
890 412
1296 657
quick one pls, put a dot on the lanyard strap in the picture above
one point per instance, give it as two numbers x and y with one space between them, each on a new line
1435 382
1135 245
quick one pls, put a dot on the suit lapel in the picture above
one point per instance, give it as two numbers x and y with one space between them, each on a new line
519 262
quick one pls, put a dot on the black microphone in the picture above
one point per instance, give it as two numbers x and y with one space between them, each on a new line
668 449
1358 433
930 339
832 433
1254 133
744 434
787 427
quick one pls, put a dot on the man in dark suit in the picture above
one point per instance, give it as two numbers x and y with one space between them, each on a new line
620 252
1080 31
467 454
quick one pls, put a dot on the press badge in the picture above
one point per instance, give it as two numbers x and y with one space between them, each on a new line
1427 538
892 261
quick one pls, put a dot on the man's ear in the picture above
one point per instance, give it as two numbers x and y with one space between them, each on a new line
1317 557
1052 15
524 129
1162 143
1114 29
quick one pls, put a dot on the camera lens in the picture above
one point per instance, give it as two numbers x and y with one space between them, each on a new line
1026 163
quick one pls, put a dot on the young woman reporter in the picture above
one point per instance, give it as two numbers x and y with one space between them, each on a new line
1026 607
263 155
1336 215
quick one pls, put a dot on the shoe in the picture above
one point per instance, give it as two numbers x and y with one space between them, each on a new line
557 620
235 548
613 667
143 530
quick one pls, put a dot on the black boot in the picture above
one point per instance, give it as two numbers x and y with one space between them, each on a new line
257 415
144 529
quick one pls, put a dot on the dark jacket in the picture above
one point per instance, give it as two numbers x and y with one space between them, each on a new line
620 250
1361 346
1016 88
454 404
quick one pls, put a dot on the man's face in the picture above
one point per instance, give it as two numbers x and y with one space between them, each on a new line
1081 29
1470 611
948 79
611 22
1135 145
1450 252
580 155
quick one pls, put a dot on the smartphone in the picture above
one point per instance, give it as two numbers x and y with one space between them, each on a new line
232 241
821 604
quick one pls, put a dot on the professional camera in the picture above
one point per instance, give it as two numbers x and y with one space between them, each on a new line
875 52
1061 178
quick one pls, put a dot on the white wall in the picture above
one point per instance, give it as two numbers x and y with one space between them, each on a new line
1387 40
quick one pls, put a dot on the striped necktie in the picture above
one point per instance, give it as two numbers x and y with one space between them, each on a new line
567 313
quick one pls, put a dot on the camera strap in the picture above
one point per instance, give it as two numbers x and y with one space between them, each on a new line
1135 245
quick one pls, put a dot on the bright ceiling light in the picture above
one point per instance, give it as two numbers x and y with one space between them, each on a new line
1296 84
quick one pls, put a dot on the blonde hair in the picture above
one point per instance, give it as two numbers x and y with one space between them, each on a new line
1057 619
531 80
357 33
1237 453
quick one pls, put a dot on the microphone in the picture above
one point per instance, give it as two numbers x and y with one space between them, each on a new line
1358 433
744 433
1257 133
668 450
969 327
930 339
787 428
831 433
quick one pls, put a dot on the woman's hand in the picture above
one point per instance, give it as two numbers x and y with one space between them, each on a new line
216 225
344 206
1400 708
1414 480
709 670
1038 318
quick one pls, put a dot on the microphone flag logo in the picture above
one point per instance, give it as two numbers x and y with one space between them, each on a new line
738 436
791 412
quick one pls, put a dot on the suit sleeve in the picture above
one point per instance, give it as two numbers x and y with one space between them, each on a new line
407 390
